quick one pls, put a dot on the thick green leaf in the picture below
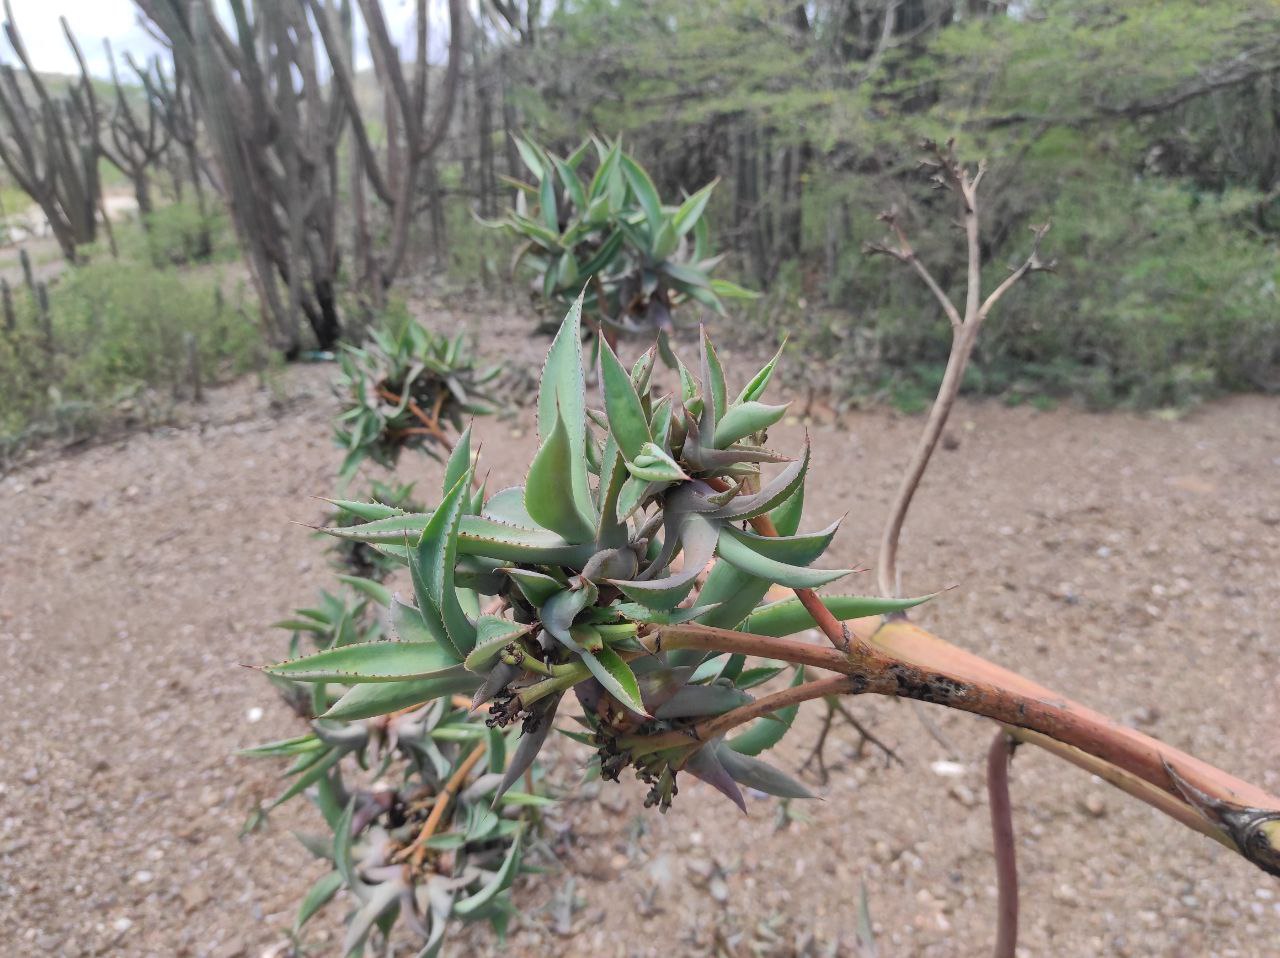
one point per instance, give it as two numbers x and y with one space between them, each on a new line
746 419
299 745
459 463
368 699
690 211
547 205
368 511
548 239
606 171
530 743
616 676
646 193
696 701
572 185
530 157
697 541
611 532
492 636
627 422
507 505
652 464
342 838
643 370
412 625
632 495
665 243
754 773
722 287
436 556
380 901
527 800
374 590
788 616
743 557
499 883
547 497
793 550
775 492
317 898
318 768
558 613
786 515
753 390
562 395
502 542
767 732
712 381
536 587
635 612
603 257
369 662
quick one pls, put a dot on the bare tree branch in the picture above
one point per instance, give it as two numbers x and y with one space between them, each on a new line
950 175
999 757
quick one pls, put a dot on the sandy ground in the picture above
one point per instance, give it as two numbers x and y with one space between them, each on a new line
1129 561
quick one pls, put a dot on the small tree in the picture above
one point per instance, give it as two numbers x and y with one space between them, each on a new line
274 128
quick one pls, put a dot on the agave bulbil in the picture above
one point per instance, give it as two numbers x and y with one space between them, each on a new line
403 389
637 257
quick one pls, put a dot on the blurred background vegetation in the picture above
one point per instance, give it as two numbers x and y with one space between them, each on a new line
1147 132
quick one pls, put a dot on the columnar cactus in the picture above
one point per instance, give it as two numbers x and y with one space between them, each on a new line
50 145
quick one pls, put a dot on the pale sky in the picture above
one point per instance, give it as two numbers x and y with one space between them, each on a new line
117 20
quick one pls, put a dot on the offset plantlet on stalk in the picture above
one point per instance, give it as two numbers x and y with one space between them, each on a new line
405 389
638 258
410 838
623 571
564 584
602 574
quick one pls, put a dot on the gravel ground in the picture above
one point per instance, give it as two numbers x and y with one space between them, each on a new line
1129 561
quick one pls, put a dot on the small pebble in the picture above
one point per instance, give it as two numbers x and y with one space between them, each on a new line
1094 805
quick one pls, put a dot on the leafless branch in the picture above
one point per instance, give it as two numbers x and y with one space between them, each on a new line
903 252
998 758
947 173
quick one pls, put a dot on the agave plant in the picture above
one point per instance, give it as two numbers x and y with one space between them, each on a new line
384 785
402 389
610 574
638 257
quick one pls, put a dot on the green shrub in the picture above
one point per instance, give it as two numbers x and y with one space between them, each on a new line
115 328
178 234
1161 298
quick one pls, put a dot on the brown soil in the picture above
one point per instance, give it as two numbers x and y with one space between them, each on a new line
1129 561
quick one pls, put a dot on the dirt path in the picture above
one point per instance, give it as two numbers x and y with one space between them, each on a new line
1129 561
